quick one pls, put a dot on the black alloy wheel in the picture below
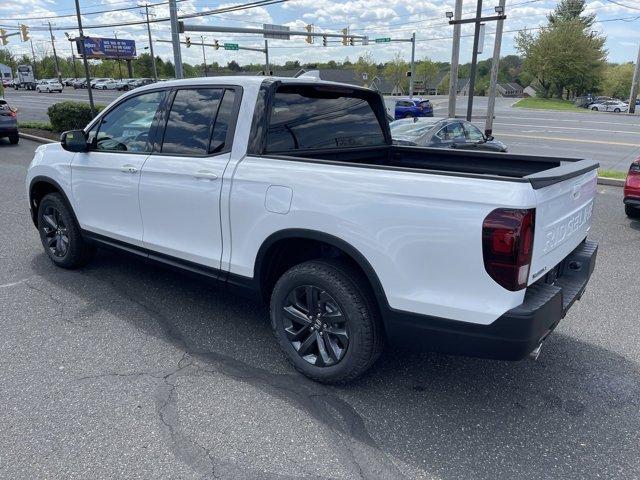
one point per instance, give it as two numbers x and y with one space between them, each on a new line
315 325
55 230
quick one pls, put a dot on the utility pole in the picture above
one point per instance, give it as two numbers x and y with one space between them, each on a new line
634 86
455 58
73 59
495 64
55 55
413 61
266 57
204 58
33 59
175 38
153 57
474 60
84 59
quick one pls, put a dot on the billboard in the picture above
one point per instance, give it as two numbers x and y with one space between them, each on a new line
108 48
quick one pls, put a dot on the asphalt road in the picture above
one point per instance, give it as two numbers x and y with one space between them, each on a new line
127 370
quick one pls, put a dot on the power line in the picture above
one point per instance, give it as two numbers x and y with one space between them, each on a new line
623 5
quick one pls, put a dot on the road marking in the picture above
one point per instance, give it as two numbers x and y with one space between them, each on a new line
565 120
564 139
568 128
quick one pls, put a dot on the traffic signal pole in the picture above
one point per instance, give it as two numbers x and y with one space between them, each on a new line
413 62
175 38
153 57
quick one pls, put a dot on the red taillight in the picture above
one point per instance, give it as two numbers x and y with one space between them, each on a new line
507 245
632 184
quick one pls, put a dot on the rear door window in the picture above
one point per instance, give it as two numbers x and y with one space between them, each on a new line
191 120
306 118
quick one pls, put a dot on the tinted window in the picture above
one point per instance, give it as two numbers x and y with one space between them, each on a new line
304 118
454 130
191 121
223 122
126 127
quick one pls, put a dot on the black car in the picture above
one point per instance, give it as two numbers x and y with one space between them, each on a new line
443 133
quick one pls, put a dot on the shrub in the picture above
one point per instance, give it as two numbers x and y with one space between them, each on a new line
70 115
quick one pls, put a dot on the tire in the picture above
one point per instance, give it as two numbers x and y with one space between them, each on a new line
632 212
73 253
595 109
617 110
14 138
341 289
48 90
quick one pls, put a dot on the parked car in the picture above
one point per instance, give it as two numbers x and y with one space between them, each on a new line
49 86
291 190
95 81
610 106
631 193
8 122
109 84
81 83
68 82
413 107
443 133
127 84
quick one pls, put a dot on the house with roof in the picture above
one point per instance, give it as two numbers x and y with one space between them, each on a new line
509 89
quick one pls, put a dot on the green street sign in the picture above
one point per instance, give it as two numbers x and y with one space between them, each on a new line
383 40
231 46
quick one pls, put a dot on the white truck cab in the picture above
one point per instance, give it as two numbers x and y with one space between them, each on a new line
292 190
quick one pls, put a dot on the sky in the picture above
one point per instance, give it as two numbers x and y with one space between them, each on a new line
619 20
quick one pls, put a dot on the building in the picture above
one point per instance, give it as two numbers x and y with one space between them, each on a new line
5 72
509 89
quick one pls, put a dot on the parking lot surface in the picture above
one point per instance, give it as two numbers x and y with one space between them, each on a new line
127 370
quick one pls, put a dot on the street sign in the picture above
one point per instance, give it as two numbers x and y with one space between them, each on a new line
277 36
231 46
108 48
383 40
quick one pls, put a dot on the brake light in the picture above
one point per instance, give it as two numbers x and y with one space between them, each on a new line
507 246
633 179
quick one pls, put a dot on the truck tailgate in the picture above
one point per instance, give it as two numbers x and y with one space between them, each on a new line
563 219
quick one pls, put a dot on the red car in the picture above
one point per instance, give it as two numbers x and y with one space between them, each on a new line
632 190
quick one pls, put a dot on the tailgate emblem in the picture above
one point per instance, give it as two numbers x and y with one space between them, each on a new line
575 192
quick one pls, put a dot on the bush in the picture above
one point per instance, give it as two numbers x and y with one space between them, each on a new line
70 115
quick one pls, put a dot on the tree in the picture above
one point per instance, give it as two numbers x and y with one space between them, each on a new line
395 71
426 72
365 66
617 80
234 66
570 10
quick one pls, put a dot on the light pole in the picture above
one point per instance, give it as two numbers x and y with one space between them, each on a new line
84 59
73 57
153 57
204 58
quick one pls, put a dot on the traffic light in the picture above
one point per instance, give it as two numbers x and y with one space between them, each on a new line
324 41
188 39
216 45
3 36
309 29
351 41
344 36
24 33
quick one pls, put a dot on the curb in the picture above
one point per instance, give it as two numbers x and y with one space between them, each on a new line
613 182
35 138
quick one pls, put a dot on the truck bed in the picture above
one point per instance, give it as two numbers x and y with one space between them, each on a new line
537 170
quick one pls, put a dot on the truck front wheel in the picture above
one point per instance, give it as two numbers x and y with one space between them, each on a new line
325 320
60 234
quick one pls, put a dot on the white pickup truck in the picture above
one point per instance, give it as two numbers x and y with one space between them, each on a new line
291 190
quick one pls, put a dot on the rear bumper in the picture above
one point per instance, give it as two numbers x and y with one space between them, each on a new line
632 201
512 336
8 130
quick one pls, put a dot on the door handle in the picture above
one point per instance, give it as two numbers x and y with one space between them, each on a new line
206 174
128 168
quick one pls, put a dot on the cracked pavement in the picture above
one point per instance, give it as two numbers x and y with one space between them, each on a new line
127 370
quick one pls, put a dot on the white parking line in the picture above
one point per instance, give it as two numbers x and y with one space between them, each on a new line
568 128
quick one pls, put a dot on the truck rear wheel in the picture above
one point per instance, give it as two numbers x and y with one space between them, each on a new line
60 234
326 321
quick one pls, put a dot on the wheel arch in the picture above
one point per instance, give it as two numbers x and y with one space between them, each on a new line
269 254
40 186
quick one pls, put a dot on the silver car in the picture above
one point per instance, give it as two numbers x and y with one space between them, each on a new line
8 122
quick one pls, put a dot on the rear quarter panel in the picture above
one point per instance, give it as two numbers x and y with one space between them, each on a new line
420 232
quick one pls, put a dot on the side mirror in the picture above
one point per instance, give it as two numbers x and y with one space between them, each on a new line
74 141
488 138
